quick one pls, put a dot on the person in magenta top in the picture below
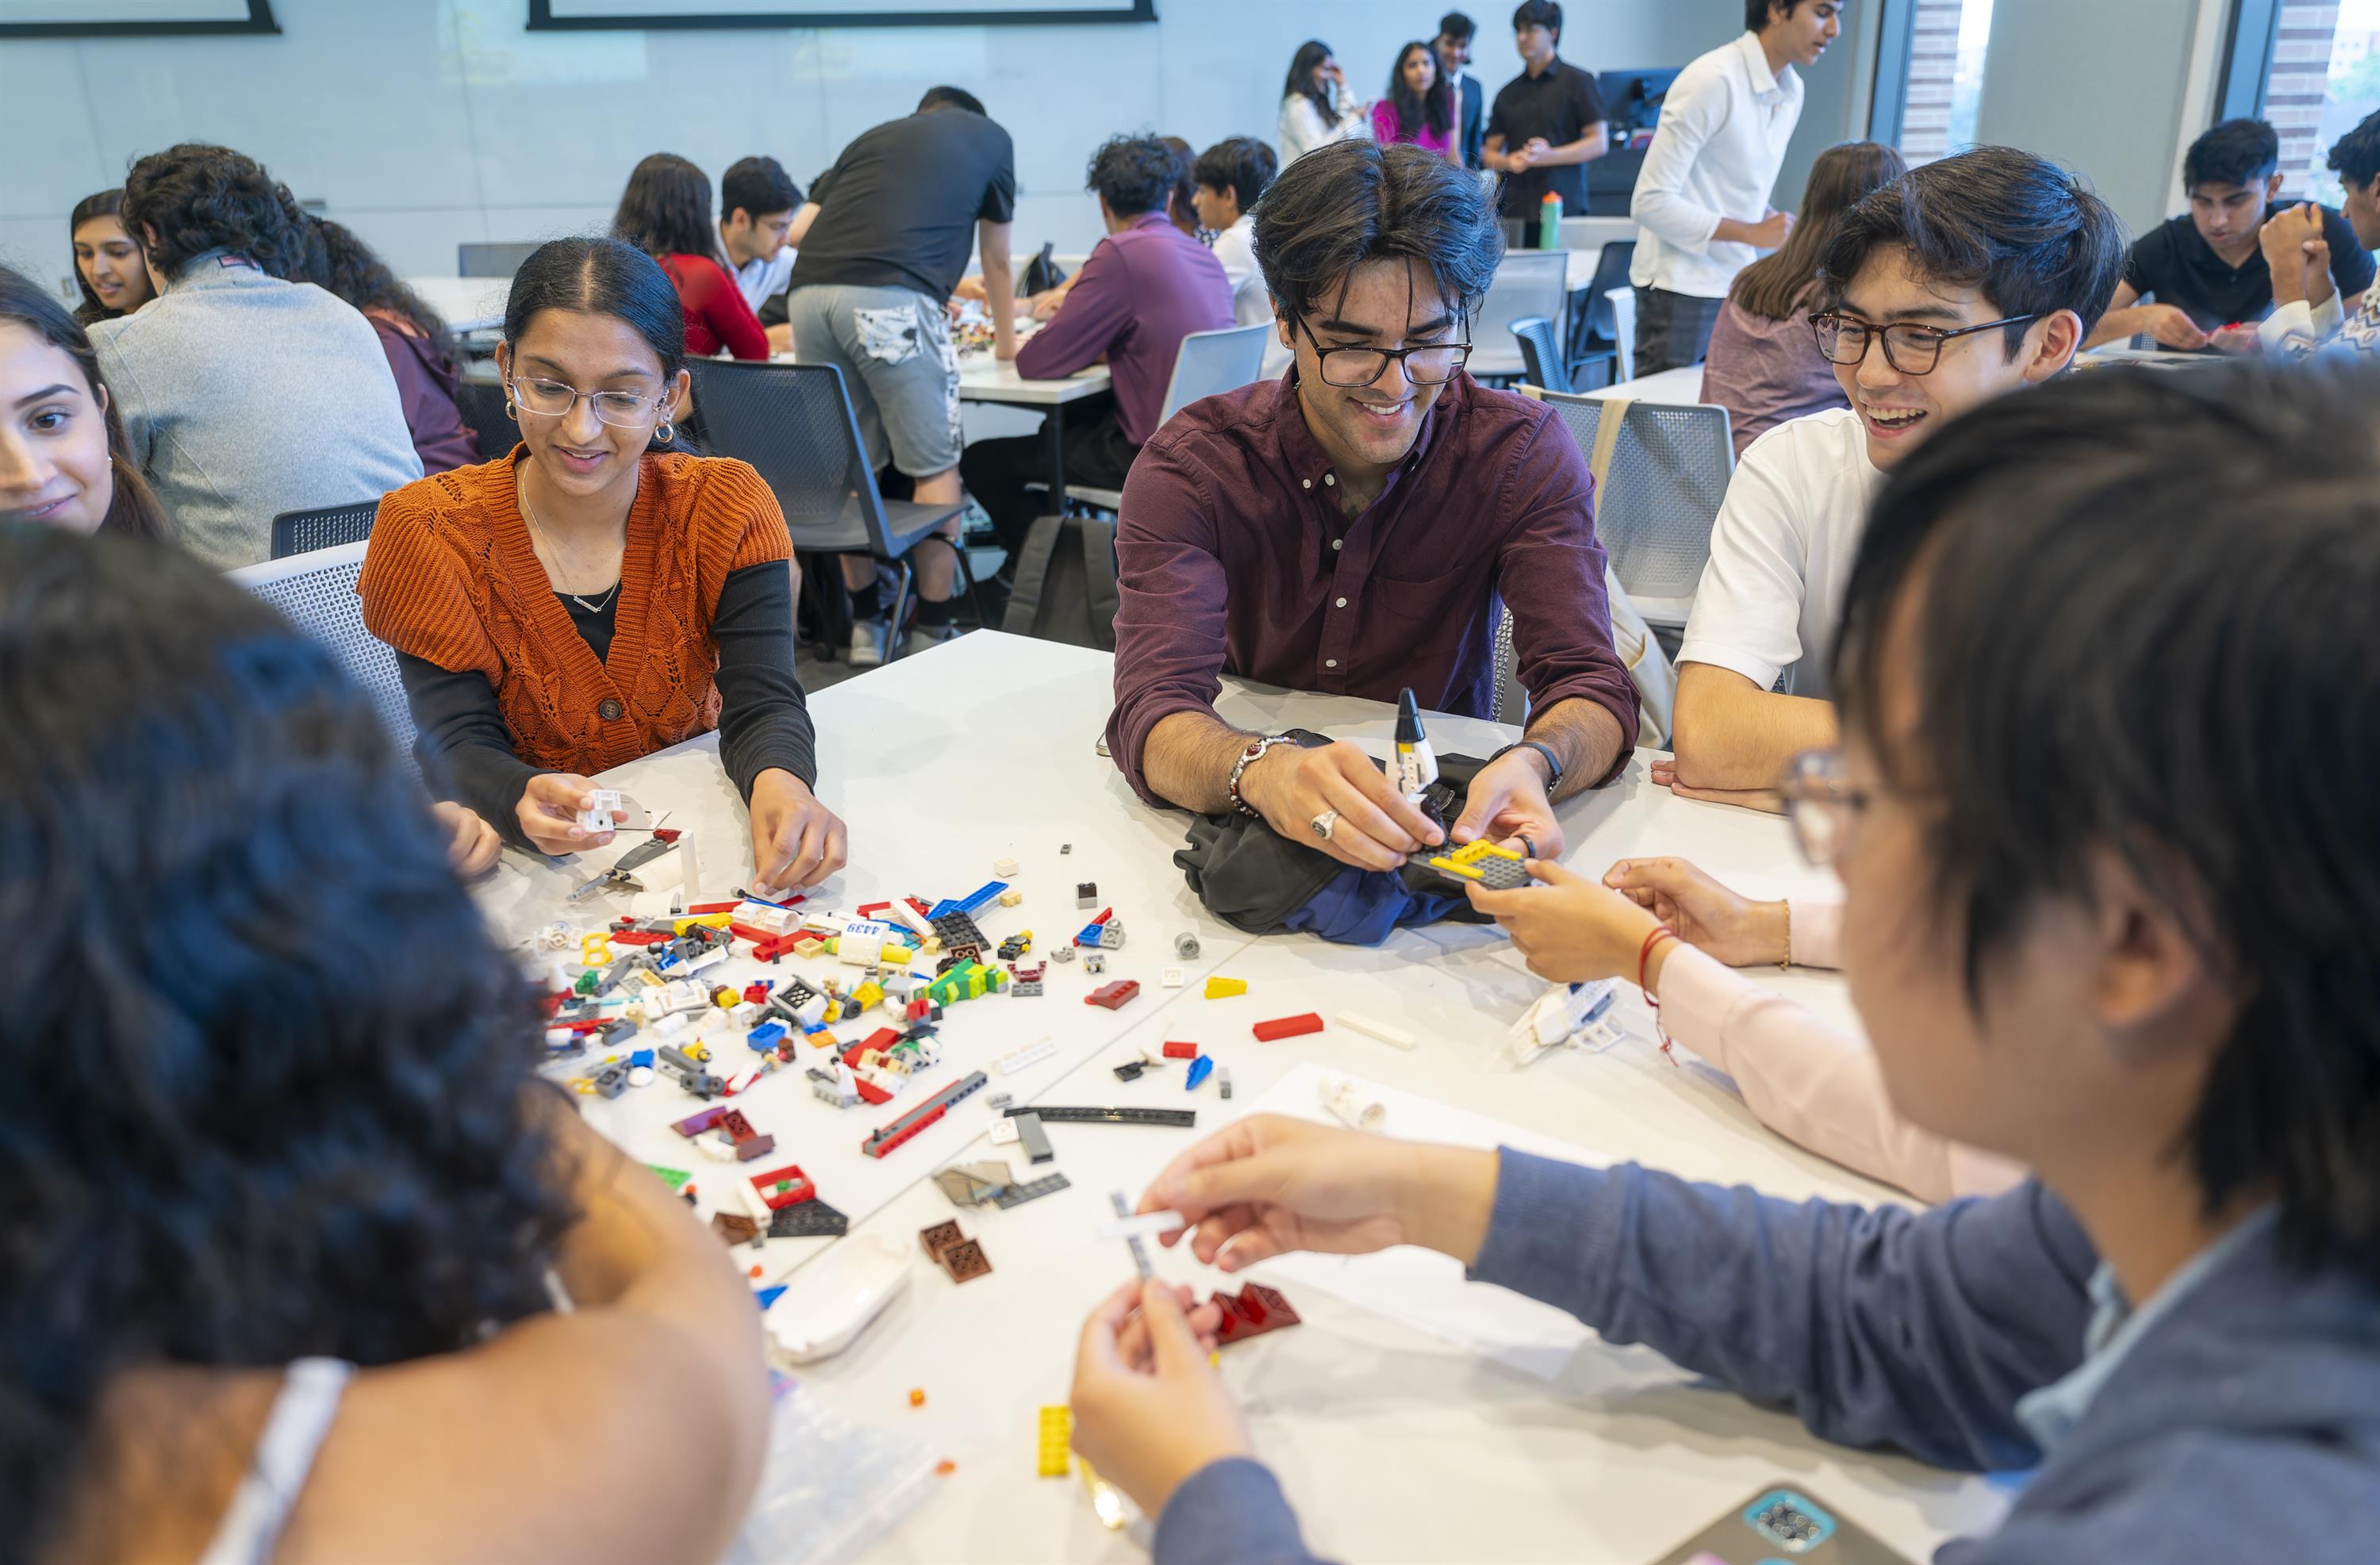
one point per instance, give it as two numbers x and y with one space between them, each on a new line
665 212
1418 108
1145 287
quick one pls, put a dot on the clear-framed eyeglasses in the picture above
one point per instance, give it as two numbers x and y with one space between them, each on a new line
1431 364
554 399
1821 806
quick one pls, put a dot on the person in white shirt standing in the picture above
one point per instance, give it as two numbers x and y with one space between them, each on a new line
1315 107
1701 198
1968 278
756 201
1226 182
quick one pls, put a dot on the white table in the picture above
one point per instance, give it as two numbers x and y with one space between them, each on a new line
466 304
983 378
943 762
1679 387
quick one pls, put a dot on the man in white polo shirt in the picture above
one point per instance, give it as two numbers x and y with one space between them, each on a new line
757 201
1701 198
1966 278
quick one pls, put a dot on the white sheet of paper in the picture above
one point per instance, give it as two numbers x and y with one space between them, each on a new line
1419 1287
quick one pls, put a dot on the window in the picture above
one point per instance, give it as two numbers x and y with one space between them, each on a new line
2323 78
1945 82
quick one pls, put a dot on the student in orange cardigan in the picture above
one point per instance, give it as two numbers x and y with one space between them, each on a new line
596 596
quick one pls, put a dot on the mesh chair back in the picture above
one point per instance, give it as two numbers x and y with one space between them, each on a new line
316 592
1668 473
481 402
794 423
1527 282
1213 362
303 532
1541 354
491 261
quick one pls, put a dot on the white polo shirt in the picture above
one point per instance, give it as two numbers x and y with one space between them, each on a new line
1714 154
760 280
1781 553
1251 300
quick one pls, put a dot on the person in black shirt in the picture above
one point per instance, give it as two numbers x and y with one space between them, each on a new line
1453 45
1548 124
881 243
2203 272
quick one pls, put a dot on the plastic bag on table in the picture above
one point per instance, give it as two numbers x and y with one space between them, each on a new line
829 1487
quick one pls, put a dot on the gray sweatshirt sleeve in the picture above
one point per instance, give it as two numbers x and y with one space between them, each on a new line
1876 1326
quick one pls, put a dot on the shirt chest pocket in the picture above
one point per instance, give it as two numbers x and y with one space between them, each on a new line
1436 616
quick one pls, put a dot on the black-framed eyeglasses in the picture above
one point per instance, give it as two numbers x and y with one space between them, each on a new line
1431 364
1908 348
554 399
1821 808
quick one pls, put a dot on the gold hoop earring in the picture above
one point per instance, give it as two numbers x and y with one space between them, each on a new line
512 410
666 433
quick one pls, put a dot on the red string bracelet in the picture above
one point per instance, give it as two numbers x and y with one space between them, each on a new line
1645 955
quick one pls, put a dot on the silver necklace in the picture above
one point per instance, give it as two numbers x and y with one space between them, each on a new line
521 491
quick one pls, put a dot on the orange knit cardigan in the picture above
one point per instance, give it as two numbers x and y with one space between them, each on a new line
450 577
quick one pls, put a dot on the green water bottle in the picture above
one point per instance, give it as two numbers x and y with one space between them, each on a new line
1549 215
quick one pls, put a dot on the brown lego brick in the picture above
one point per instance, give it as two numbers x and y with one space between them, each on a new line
939 1237
965 1261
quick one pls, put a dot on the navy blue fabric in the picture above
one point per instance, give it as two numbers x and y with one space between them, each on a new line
1366 906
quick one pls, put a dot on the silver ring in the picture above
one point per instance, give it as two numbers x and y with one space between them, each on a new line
1323 824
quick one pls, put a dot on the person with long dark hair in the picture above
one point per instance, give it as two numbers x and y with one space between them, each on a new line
2102 813
596 596
290 1215
1418 108
420 351
1763 366
245 391
665 212
1315 107
63 460
109 269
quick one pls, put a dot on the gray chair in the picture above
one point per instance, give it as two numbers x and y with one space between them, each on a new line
1209 364
1598 337
329 526
793 424
316 592
1541 354
491 261
480 397
1670 471
1528 282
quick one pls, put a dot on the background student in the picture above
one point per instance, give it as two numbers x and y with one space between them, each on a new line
2309 314
1713 162
757 202
1763 366
331 1185
1419 108
245 392
1230 177
2131 953
883 240
1548 124
109 271
63 460
1315 107
1145 288
665 212
1455 32
594 596
420 350
2205 269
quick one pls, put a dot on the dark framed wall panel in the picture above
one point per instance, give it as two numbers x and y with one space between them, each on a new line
542 19
258 20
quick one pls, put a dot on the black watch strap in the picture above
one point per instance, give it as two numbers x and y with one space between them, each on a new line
1553 761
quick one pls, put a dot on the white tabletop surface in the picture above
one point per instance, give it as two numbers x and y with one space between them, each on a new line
941 763
983 378
1679 387
466 304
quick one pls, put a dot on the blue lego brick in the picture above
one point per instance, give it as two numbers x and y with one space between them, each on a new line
764 1297
942 909
765 1036
643 1057
983 896
1200 1068
1090 935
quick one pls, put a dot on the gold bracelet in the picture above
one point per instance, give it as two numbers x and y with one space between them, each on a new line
1786 964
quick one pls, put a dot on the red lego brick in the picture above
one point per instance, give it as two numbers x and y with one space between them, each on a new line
1288 1026
758 993
1256 1310
871 1093
699 909
882 1038
798 1187
736 1126
871 909
1105 913
639 937
1115 996
668 834
1181 1051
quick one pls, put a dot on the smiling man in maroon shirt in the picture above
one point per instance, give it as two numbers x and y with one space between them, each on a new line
1351 527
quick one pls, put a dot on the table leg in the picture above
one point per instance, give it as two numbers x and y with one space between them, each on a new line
1057 426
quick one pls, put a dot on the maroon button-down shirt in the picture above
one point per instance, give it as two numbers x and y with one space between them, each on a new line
1144 289
1233 555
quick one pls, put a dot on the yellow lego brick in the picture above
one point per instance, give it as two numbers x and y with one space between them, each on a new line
833 1011
1056 1434
1011 897
809 946
708 920
1224 989
893 959
866 994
